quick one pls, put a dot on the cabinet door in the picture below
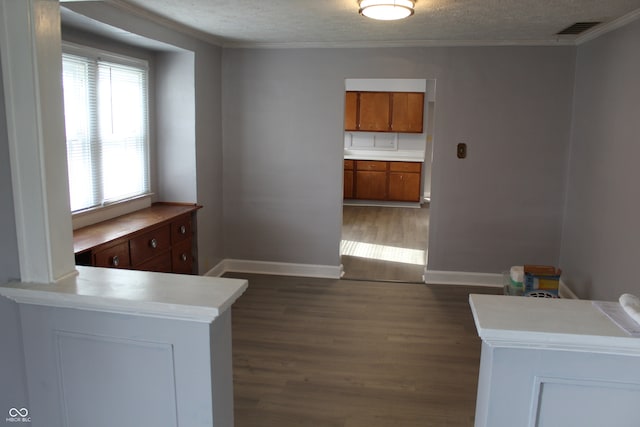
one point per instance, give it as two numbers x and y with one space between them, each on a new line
348 184
404 186
407 111
375 111
351 111
371 185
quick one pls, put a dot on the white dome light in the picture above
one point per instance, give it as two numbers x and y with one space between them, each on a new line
388 10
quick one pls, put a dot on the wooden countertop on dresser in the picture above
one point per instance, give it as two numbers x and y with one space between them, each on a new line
91 236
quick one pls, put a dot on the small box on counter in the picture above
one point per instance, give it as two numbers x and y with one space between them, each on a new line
541 281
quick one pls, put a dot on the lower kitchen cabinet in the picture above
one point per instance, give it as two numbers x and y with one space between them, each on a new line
159 238
348 179
404 186
371 185
385 181
404 181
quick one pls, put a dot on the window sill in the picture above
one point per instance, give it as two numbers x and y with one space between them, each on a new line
99 214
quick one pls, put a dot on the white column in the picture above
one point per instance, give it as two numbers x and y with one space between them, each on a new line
30 47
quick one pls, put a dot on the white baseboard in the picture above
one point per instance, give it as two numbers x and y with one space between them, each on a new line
463 278
336 272
277 268
565 291
481 279
217 271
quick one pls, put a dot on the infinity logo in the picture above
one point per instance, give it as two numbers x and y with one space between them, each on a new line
22 412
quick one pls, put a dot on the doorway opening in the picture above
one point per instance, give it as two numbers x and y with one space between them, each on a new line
384 243
386 240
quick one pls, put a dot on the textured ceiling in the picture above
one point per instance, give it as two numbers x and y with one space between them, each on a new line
337 22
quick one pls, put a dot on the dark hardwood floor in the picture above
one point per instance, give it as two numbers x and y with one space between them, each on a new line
384 243
321 352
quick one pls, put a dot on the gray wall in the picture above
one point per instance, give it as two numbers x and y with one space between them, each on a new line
601 233
175 131
282 126
209 163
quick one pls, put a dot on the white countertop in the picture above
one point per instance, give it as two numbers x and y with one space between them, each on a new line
174 296
385 155
561 324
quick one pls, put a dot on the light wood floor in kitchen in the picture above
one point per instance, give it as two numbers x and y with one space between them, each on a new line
384 243
321 352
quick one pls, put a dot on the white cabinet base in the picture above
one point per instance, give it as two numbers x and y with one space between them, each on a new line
553 363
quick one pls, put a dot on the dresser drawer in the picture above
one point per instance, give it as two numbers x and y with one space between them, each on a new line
116 256
182 257
405 166
149 244
160 263
181 229
370 165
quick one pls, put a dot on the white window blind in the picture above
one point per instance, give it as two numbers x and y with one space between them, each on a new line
106 118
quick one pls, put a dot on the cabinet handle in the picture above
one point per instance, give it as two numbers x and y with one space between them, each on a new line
153 243
115 261
184 257
183 229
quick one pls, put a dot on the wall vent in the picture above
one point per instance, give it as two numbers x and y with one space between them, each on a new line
578 28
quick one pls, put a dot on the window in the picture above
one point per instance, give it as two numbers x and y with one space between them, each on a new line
105 106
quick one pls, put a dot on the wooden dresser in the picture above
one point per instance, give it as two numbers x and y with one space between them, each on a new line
159 238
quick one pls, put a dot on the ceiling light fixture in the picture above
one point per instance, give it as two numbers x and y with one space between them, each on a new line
388 10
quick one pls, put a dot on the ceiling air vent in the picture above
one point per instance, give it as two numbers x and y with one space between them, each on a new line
578 28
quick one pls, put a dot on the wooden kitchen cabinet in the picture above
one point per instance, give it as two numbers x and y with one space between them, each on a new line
371 180
404 186
374 112
407 112
158 238
351 111
371 185
384 112
386 181
348 179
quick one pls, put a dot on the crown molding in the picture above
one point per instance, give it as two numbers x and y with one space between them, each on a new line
608 27
165 22
397 44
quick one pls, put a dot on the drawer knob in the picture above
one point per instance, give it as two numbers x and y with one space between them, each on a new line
183 229
115 261
184 257
153 243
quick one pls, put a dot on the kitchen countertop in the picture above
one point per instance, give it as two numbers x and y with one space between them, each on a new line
385 155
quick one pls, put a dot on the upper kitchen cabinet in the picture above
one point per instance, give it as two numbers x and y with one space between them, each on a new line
407 111
351 111
384 111
374 112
